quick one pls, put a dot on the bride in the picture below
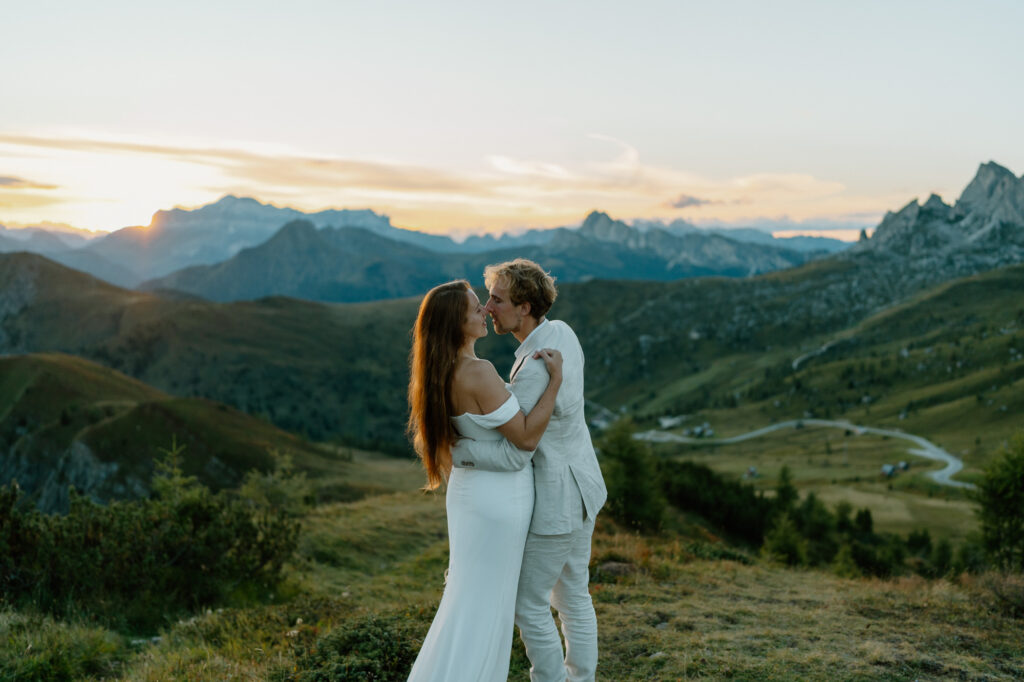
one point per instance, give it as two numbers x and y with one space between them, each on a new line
452 394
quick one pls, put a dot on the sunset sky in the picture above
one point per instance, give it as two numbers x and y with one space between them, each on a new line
470 117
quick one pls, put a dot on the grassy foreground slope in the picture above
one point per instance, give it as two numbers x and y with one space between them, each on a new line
685 606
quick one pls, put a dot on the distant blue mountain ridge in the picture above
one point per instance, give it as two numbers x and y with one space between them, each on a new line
183 238
986 220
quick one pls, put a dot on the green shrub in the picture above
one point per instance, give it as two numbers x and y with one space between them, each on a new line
280 488
717 552
135 564
380 647
879 555
843 563
970 557
817 525
786 495
785 543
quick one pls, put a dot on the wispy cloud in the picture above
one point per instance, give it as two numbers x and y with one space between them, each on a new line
12 182
286 169
686 201
504 192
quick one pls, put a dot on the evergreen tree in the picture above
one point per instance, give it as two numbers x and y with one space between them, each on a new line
1001 496
631 474
786 494
784 543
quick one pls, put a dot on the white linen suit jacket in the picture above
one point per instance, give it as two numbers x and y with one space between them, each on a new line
565 465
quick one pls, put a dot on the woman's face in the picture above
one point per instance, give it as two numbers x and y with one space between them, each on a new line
475 324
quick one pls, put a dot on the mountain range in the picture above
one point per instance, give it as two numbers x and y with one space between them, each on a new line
179 239
354 264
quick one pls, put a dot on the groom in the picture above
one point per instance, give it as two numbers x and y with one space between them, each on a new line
569 487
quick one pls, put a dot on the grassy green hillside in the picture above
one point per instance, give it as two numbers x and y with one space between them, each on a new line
321 370
96 428
946 365
339 371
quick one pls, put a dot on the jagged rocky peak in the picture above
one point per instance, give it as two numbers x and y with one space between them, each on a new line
915 228
907 214
601 226
936 206
993 200
989 183
990 211
992 185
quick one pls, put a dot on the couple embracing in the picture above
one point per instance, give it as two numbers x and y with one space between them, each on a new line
523 482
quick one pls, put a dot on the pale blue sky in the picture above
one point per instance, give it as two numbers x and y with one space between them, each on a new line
459 115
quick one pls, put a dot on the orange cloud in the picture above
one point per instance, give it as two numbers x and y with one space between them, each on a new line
504 193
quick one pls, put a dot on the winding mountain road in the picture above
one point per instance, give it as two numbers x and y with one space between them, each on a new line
924 447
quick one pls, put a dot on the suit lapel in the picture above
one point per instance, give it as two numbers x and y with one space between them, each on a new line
531 344
516 367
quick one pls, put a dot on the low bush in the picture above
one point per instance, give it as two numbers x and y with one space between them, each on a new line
380 647
134 565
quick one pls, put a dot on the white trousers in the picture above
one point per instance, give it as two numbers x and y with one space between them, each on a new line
556 572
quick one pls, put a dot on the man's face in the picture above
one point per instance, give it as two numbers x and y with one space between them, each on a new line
506 316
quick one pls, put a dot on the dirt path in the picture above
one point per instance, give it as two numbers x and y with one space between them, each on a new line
924 447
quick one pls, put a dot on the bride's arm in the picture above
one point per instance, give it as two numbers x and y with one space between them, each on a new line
489 455
523 430
501 455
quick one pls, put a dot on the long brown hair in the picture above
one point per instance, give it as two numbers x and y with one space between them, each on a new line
436 339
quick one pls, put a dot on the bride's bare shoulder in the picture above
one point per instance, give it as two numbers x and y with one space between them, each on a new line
474 372
477 387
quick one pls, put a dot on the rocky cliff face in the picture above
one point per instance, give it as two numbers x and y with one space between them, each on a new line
45 475
988 215
934 242
994 199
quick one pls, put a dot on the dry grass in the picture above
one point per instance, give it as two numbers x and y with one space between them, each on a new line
680 619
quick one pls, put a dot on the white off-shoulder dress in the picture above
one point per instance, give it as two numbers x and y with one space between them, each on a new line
470 639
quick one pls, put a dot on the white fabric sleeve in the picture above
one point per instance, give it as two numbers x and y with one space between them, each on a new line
500 416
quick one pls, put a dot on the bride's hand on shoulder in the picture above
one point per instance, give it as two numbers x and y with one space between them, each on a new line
552 360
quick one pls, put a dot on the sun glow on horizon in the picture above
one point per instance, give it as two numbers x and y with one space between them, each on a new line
101 183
